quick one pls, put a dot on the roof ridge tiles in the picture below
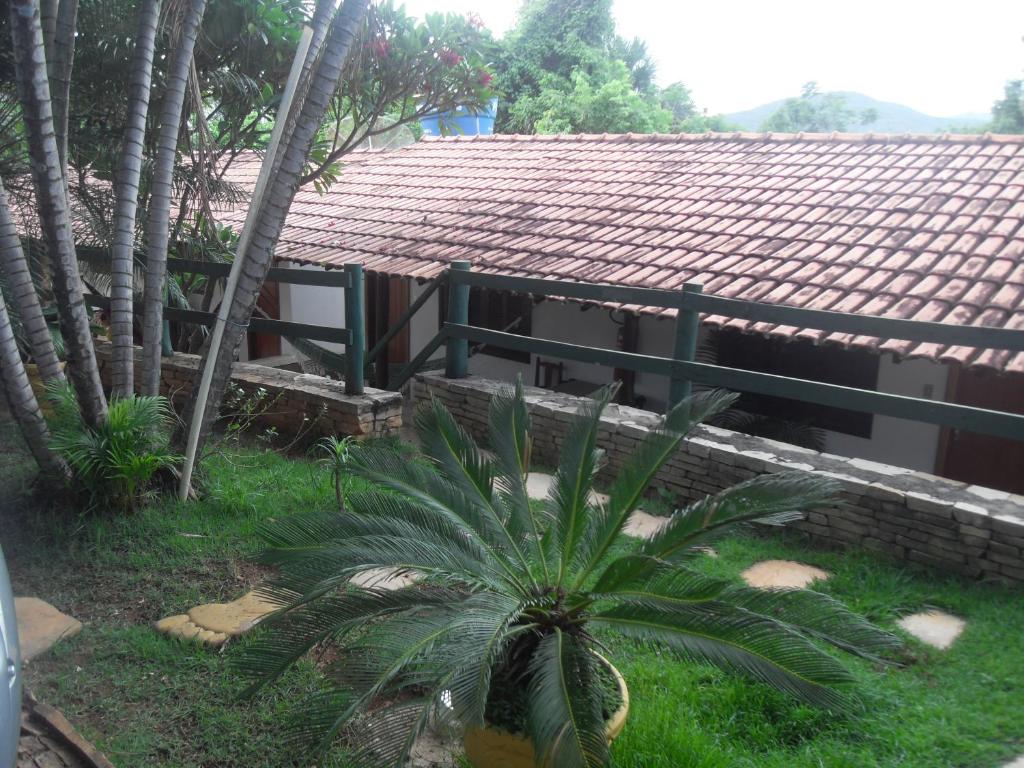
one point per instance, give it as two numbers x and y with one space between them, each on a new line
751 136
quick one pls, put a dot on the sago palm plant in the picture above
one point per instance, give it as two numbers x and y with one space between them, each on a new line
514 593
114 464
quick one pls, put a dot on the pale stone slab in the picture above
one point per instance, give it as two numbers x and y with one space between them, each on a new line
782 574
41 626
538 484
383 578
1018 763
643 525
215 623
934 628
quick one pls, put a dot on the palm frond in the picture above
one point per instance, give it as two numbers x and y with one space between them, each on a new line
737 640
564 717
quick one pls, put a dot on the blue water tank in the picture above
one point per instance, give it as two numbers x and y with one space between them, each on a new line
461 122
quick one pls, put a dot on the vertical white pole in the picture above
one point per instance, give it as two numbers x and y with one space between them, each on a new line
217 336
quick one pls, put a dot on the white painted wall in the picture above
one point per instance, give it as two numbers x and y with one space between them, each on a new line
315 305
904 443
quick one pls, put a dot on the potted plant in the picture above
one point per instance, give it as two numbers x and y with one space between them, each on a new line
502 622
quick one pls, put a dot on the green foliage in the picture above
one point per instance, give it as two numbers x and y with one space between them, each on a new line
564 70
1008 112
511 590
337 452
113 465
816 112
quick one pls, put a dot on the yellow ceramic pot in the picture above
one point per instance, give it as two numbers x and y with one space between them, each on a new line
491 747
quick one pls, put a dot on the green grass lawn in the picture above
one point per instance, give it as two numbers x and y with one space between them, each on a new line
148 700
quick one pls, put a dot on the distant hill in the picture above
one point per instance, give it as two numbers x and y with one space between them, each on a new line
892 118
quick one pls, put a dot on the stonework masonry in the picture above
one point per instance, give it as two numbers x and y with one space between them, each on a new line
913 516
293 396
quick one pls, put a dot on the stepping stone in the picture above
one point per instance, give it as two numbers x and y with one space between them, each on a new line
1018 763
936 629
383 578
538 484
215 623
41 626
782 574
643 525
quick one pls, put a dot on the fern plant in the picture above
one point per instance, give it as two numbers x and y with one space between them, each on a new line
517 592
113 465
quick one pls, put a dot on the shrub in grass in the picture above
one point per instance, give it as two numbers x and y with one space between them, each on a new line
114 465
510 593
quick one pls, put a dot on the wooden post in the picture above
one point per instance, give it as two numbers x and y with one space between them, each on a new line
355 321
457 351
687 328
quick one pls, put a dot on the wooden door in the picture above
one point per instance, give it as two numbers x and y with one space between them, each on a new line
982 459
266 344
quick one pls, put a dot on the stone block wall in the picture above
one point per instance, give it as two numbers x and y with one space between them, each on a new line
913 516
294 396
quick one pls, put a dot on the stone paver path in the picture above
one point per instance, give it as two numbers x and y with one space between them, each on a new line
41 626
782 574
1018 763
48 740
934 628
215 623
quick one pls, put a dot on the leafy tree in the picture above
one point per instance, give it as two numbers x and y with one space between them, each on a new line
816 112
563 69
509 594
1008 112
609 105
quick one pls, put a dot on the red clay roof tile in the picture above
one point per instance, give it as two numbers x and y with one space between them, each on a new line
928 227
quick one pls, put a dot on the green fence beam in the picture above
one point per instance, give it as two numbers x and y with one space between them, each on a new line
687 329
969 418
457 355
355 322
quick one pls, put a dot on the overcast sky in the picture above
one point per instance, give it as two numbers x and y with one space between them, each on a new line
942 57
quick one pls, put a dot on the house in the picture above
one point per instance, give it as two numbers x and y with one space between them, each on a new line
920 227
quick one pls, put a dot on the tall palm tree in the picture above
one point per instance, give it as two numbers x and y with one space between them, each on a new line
22 400
60 74
54 213
122 270
269 221
22 290
159 214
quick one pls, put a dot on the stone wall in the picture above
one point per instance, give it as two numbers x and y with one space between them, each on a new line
922 518
291 397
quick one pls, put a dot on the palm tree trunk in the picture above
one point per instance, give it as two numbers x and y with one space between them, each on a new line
274 208
48 18
60 75
122 262
15 269
54 216
158 229
22 400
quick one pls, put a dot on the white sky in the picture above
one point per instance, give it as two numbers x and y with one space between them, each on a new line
942 57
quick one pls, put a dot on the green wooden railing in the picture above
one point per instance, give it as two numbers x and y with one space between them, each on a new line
683 370
352 335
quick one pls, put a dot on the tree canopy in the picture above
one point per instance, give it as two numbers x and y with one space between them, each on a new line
563 69
1008 112
817 112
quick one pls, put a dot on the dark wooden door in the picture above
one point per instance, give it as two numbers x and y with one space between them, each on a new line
266 344
981 459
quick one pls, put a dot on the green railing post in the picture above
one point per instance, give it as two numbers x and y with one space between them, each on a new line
457 351
355 321
687 328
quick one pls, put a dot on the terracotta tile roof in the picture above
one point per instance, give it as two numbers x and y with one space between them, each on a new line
921 227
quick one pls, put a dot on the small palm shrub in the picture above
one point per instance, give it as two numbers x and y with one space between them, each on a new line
514 593
113 465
